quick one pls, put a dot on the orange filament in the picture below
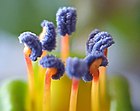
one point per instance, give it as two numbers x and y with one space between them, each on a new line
74 93
95 84
27 51
65 47
94 68
30 71
47 89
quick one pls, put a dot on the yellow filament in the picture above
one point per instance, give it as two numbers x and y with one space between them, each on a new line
47 89
74 93
65 47
103 92
40 78
95 100
102 71
103 95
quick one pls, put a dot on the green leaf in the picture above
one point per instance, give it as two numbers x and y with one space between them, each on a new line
12 95
120 96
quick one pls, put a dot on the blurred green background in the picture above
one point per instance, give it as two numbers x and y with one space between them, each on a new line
121 18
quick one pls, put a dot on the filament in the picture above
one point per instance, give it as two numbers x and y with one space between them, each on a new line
103 78
65 47
47 89
30 73
74 93
95 100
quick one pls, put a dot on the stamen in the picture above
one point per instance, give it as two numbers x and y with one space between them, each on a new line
55 70
94 62
97 44
75 68
104 40
95 84
32 50
66 24
33 43
48 41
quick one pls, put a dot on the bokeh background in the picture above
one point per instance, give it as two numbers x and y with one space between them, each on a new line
121 18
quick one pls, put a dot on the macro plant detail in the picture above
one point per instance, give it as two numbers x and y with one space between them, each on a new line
43 66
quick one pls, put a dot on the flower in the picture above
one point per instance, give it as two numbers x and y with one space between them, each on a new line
51 67
96 44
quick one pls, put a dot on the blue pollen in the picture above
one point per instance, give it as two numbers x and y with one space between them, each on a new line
49 40
102 40
99 41
90 42
31 40
89 59
51 61
76 67
66 18
87 77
